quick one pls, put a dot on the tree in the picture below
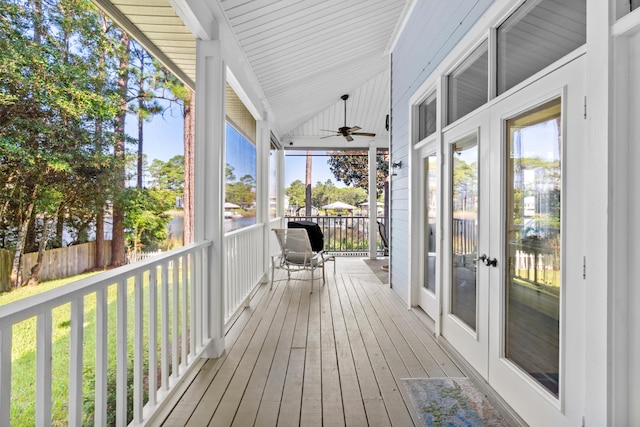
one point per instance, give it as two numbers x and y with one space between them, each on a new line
144 218
144 81
169 175
353 169
296 193
117 240
48 101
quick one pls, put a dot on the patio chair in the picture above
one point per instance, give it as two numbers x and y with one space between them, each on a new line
383 235
316 237
296 254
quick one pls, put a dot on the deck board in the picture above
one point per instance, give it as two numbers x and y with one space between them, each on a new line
333 357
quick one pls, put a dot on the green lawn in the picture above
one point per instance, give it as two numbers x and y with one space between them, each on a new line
24 351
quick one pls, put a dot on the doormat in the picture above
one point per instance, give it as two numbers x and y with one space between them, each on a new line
441 402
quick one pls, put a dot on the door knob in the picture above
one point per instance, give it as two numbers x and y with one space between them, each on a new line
482 258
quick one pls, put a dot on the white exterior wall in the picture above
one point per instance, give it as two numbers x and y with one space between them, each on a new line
428 37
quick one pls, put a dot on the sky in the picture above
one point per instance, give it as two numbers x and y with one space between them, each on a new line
163 139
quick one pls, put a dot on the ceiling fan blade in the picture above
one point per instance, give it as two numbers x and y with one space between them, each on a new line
327 130
363 133
353 129
328 136
348 138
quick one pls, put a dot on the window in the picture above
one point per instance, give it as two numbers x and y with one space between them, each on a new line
468 84
427 116
536 35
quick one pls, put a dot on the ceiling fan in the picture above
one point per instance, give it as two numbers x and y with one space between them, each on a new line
347 131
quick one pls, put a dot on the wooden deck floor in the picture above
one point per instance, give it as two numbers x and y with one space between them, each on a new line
334 357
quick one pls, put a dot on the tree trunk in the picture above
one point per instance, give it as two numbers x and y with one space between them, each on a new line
140 138
117 240
16 276
307 181
44 239
99 249
189 147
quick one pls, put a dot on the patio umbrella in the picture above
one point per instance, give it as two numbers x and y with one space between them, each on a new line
338 205
229 205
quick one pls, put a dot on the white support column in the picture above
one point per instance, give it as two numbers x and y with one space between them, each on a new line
373 202
209 178
598 287
280 190
263 143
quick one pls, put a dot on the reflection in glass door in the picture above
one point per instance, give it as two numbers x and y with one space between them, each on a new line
533 238
431 212
464 231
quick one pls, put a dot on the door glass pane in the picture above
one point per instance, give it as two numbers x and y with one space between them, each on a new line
431 175
464 233
468 84
534 183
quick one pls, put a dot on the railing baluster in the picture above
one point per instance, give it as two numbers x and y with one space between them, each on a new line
198 298
192 314
153 335
164 329
43 369
175 332
75 361
121 355
185 309
204 284
101 357
138 325
5 375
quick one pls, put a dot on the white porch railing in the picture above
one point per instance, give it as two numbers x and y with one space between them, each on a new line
153 313
244 266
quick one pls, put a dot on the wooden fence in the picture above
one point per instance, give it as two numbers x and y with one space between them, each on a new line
56 263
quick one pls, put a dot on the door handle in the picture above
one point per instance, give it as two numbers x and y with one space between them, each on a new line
488 261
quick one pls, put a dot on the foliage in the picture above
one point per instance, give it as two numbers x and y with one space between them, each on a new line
145 219
241 192
353 169
296 193
169 175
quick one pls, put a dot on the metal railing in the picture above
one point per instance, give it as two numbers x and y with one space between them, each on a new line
343 235
145 323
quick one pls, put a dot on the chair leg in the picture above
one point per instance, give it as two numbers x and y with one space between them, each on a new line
311 281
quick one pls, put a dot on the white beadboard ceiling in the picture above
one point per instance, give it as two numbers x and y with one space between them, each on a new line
304 54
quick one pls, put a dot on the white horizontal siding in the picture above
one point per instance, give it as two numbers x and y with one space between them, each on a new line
432 31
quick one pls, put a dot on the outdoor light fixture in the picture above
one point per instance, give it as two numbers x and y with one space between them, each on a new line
396 167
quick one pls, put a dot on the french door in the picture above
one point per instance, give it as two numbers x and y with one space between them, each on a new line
513 302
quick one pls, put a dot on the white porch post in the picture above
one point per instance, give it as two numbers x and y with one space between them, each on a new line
373 202
280 184
209 178
263 144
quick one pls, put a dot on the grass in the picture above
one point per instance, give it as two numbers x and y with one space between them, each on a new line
24 351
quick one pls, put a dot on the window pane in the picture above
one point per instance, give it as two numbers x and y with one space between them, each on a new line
536 35
468 84
534 183
464 233
240 181
431 177
427 117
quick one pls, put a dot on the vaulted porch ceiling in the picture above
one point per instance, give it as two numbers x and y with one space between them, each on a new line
303 54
